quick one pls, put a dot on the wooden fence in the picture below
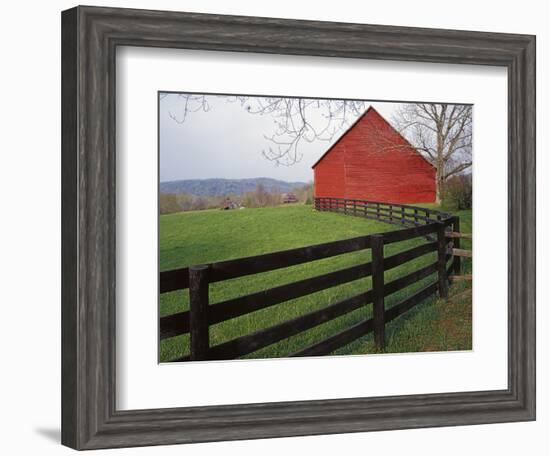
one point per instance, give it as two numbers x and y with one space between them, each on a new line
396 214
429 224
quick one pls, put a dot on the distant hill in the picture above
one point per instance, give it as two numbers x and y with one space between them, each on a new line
222 187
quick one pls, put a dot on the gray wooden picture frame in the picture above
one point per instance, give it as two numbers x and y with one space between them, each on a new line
90 36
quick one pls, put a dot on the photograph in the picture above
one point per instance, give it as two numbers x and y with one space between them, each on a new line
307 226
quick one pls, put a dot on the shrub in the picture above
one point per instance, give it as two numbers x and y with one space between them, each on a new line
304 194
168 203
261 197
458 192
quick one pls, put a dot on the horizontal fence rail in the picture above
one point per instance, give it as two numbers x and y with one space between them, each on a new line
397 214
437 228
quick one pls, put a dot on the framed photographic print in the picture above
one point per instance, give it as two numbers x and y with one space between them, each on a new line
279 228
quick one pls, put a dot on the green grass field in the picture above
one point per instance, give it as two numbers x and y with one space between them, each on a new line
190 238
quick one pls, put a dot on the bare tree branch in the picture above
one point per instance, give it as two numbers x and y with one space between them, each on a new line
296 120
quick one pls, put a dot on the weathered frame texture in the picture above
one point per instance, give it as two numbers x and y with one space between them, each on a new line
90 36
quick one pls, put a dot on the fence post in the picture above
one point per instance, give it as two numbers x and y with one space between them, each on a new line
377 248
402 215
456 245
198 311
442 261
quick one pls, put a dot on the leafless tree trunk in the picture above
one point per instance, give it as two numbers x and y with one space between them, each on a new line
442 133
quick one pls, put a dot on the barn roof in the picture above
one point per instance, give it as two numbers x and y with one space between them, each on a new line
370 109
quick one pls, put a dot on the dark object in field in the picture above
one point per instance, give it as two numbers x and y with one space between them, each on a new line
230 204
289 198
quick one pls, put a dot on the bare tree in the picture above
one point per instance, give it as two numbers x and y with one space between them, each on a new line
442 133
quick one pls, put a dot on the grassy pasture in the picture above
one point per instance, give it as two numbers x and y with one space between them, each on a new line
207 236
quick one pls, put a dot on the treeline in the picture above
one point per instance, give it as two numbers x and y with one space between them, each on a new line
457 192
260 197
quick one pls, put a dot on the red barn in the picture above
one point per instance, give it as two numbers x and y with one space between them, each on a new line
372 161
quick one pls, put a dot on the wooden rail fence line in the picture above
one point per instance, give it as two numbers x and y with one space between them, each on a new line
397 214
417 222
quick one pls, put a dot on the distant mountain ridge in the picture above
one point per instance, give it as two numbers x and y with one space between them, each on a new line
223 187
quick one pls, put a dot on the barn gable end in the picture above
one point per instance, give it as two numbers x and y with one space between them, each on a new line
372 161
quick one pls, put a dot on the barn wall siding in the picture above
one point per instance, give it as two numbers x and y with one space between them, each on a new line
373 161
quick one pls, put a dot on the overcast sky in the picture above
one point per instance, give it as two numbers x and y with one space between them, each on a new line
227 142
